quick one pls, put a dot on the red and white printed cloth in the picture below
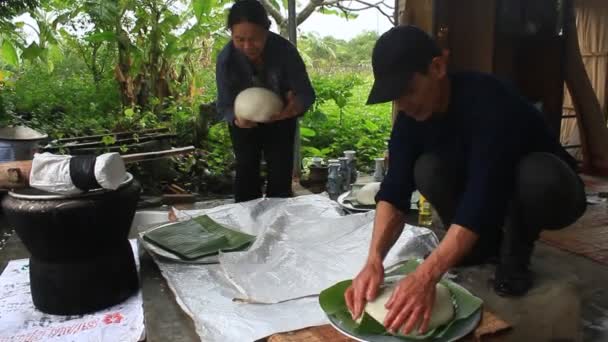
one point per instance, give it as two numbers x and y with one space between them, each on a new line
21 322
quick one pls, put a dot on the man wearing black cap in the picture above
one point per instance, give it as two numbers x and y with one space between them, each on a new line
481 154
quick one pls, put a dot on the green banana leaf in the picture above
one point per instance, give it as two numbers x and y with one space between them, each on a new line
198 237
236 240
333 304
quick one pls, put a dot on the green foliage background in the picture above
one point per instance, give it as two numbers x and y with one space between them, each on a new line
65 83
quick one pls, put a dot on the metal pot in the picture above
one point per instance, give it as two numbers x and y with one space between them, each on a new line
81 260
19 143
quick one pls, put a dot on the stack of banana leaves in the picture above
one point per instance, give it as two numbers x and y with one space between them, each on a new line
198 237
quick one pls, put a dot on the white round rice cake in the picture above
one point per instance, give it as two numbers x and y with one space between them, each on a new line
442 313
257 104
367 194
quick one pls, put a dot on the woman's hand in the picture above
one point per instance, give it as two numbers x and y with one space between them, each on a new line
292 109
242 123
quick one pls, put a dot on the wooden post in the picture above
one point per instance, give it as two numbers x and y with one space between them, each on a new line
293 38
591 122
292 23
414 12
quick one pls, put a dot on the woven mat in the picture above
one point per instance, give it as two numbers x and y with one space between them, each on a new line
589 235
489 326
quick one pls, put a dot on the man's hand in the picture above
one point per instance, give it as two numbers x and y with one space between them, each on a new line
388 225
292 109
242 123
411 304
364 287
412 300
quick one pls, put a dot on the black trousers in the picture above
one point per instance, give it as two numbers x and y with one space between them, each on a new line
547 194
274 141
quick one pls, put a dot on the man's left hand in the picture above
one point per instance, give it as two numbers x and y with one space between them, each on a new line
411 304
292 109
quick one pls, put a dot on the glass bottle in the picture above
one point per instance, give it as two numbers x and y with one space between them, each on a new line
425 214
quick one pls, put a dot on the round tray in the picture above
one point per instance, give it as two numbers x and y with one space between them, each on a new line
469 324
349 206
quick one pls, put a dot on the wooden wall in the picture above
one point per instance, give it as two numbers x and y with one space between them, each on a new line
533 63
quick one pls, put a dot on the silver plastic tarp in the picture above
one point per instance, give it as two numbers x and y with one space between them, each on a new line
296 260
303 245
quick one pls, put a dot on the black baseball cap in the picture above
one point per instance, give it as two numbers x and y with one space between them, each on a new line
398 54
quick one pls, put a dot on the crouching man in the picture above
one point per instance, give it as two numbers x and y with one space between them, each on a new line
481 155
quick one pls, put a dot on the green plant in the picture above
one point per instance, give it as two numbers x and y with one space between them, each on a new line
336 88
99 67
341 121
330 55
61 102
192 171
209 169
220 157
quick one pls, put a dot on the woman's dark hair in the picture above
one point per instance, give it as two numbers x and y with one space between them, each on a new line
248 11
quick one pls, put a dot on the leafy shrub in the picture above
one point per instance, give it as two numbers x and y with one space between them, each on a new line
341 121
64 101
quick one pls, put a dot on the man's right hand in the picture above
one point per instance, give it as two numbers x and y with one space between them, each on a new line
242 123
364 287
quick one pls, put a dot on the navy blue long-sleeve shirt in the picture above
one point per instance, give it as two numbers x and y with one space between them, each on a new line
283 70
487 129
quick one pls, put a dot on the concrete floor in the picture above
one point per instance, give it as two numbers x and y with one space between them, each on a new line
569 301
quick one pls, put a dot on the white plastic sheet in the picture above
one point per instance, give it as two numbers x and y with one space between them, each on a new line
51 172
20 321
297 238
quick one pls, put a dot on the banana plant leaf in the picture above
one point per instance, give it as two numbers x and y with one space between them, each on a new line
198 237
333 304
